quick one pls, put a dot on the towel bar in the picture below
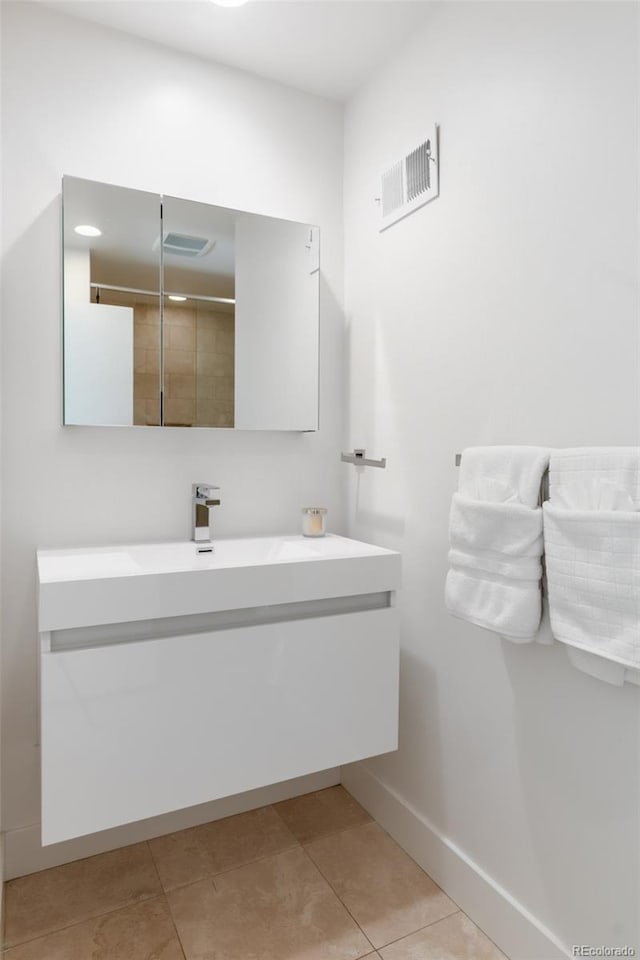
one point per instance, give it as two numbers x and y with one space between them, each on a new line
358 457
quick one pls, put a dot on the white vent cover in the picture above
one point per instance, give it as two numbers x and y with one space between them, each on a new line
184 245
411 182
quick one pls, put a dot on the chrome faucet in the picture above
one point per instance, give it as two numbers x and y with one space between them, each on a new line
202 499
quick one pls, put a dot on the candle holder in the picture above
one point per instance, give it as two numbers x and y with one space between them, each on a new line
314 521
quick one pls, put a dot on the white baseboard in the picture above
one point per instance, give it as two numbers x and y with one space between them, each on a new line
506 921
24 853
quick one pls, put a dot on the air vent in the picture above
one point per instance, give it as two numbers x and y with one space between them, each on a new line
411 182
183 245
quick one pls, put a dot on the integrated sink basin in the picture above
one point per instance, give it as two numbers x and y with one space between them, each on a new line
87 563
169 678
97 585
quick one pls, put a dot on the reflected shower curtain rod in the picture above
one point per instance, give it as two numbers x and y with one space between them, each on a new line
156 293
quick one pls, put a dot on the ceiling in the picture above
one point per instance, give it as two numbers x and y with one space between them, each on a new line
326 47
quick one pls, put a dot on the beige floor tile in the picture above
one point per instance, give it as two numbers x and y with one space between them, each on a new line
142 932
318 814
455 938
383 888
52 899
212 848
279 908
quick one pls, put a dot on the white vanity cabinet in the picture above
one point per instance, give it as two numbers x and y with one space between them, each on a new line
169 678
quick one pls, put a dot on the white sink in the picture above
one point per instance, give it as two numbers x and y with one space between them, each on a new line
89 563
95 585
170 678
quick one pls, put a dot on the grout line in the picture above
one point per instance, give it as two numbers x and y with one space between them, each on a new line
412 933
276 853
164 897
175 926
335 833
76 923
340 900
238 866
173 923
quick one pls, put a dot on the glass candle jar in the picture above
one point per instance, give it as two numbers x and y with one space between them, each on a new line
313 521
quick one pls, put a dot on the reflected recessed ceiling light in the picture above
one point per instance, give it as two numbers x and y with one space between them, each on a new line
85 230
172 296
228 3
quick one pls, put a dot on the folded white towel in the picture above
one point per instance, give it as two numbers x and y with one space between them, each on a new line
592 543
495 533
593 575
506 528
583 477
594 493
505 474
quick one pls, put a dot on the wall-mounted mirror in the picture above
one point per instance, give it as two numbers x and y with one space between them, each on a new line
179 313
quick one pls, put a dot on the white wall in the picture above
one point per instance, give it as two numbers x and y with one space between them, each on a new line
84 101
504 312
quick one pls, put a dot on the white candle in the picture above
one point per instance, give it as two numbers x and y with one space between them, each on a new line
313 521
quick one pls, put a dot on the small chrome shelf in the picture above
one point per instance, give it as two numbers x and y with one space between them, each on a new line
359 458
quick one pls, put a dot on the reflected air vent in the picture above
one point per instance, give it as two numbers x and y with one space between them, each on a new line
183 245
411 182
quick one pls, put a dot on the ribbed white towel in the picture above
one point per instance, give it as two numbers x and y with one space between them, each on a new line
495 534
593 554
583 478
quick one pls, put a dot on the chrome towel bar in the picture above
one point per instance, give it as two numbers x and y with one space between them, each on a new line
358 457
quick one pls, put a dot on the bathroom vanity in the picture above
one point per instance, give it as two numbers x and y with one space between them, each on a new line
170 678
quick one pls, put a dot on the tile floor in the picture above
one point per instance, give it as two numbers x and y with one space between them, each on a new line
314 878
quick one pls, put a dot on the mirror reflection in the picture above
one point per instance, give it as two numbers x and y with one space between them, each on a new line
199 313
111 282
185 314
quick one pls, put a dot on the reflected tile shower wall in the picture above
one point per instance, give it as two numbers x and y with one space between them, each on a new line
198 366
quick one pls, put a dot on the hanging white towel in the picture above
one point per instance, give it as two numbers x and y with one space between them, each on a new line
583 477
495 534
505 474
592 544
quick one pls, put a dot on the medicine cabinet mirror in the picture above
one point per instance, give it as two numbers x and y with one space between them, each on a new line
184 314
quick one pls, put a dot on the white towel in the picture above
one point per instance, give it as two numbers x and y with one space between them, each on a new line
582 477
593 575
495 533
516 471
592 543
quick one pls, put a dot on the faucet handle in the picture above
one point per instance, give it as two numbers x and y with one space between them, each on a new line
204 492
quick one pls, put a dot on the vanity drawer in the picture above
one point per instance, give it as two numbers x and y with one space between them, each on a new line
135 729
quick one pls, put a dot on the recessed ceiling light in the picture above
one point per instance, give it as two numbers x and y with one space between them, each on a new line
86 230
173 296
